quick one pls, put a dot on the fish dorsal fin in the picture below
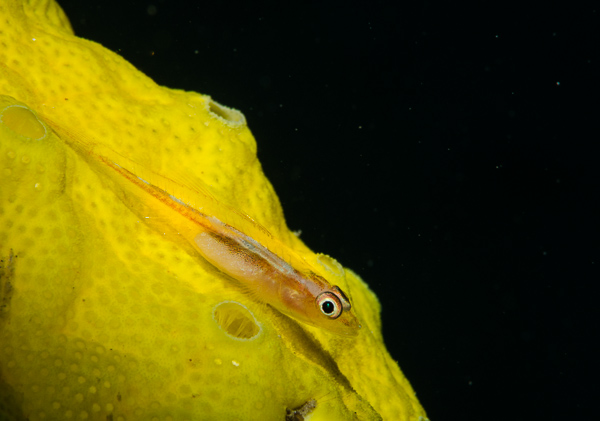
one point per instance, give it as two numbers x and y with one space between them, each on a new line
184 188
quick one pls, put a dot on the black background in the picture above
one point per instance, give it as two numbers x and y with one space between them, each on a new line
446 153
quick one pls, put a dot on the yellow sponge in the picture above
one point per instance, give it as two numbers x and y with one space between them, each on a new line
106 312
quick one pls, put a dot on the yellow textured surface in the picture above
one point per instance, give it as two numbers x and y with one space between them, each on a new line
105 316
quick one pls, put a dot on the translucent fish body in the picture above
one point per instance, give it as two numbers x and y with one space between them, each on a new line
287 283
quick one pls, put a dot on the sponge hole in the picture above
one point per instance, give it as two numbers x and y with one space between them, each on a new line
236 320
22 121
229 116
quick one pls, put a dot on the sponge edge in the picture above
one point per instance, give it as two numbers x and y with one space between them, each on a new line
23 122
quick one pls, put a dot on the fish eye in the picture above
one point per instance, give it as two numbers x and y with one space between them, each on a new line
329 304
